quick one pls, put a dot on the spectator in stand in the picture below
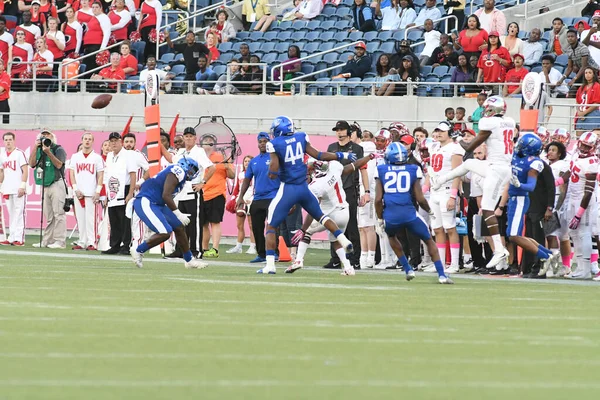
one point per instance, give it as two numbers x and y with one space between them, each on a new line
514 77
164 76
407 13
96 36
403 49
4 94
491 19
258 10
456 8
18 53
478 112
84 13
551 76
73 32
43 72
463 73
38 18
581 27
493 62
532 48
289 69
129 63
406 73
47 10
362 17
120 18
308 9
235 73
358 64
113 72
588 117
471 40
448 58
32 31
590 8
224 29
245 51
214 192
383 68
55 40
558 43
432 41
150 18
211 45
191 51
579 60
390 16
6 40
205 75
438 52
430 11
591 38
513 44
254 74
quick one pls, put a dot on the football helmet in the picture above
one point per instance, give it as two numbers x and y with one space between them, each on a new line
190 167
400 127
586 145
382 139
282 125
529 144
396 153
494 105
543 134
561 135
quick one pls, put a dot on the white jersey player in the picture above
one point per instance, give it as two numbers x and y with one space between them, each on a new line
366 213
138 230
328 187
581 209
13 188
496 131
86 169
382 140
443 159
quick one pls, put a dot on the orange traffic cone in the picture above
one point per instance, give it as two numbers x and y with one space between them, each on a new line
284 253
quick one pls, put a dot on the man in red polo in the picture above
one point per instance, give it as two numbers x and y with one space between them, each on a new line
114 72
4 94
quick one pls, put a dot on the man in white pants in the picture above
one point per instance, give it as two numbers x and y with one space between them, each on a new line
443 159
496 131
138 228
87 175
13 185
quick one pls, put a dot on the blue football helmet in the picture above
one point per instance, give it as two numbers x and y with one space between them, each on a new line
529 144
282 125
190 167
396 153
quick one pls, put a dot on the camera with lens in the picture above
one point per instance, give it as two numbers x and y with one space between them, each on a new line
44 141
69 202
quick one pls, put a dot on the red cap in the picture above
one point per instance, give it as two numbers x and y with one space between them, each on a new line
361 45
519 55
494 33
407 139
596 14
469 131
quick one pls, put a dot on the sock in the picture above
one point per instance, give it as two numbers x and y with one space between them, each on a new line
370 258
341 253
542 254
566 260
439 267
270 259
405 265
498 246
238 244
337 233
442 250
302 247
454 253
363 259
187 256
594 257
142 248
466 258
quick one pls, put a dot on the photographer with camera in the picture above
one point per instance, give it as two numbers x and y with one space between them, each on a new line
48 162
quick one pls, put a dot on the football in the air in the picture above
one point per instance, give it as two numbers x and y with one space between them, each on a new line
101 101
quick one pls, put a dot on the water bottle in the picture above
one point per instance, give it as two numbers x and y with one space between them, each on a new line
462 90
142 87
129 88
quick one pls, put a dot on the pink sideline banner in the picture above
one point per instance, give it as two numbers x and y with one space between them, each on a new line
69 140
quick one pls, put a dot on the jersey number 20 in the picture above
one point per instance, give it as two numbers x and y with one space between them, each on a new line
290 156
397 182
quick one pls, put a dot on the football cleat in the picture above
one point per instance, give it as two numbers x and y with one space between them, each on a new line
91 248
267 270
5 243
251 249
234 250
296 265
19 244
596 278
498 257
55 246
549 264
453 269
348 272
444 280
137 258
194 263
77 247
410 275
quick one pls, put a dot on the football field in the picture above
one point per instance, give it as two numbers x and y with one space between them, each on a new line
88 326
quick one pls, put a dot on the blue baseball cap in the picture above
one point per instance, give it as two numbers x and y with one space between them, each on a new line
263 135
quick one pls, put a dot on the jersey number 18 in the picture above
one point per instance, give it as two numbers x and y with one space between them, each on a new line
397 182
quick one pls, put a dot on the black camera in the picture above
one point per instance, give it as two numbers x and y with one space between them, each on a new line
45 141
69 202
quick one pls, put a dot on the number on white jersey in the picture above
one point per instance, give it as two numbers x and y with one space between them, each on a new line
399 182
290 156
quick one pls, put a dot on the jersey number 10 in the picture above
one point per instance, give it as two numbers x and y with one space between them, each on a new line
396 182
290 156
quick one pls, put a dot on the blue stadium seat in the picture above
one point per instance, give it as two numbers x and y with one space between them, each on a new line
536 69
282 26
387 47
339 36
301 44
356 35
220 69
307 69
568 21
267 47
178 69
313 61
225 46
327 25
343 12
298 35
398 35
343 25
328 10
326 36
327 46
254 46
312 35
384 35
256 35
282 47
372 46
415 35
547 35
562 60
226 57
440 70
313 47
331 58
243 35
299 25
236 47
178 57
270 57
167 58
348 3
426 70
313 25
284 36
270 36
523 34
368 36
321 88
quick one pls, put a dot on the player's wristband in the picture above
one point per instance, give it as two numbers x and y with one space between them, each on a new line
74 186
367 192
98 189
319 155
425 189
580 212
453 193
140 181
559 181
23 185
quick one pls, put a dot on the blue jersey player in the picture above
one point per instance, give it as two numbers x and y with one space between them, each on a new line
526 166
396 183
155 206
287 149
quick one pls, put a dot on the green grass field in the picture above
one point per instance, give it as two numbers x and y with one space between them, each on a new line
95 327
